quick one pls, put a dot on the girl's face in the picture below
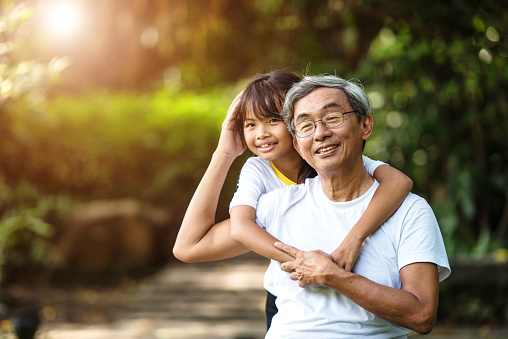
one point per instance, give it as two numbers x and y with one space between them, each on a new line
268 138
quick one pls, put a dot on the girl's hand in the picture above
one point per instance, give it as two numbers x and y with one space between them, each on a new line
346 254
229 142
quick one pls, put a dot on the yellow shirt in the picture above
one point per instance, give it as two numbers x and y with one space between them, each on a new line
282 177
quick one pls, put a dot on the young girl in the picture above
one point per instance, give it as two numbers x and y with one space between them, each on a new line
253 121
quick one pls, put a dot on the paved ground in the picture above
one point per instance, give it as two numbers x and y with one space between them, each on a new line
183 301
223 300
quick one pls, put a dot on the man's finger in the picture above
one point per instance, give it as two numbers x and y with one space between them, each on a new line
288 249
295 276
288 266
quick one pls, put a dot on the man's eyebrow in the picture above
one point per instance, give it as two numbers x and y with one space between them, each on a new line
306 115
301 116
332 104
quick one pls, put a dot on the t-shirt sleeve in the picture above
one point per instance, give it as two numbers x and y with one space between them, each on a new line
250 186
265 211
262 211
371 165
421 239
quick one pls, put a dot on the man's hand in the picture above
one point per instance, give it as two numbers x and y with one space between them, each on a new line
310 268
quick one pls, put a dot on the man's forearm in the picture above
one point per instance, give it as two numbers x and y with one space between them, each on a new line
414 306
415 311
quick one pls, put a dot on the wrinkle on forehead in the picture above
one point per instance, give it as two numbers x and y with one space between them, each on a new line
321 99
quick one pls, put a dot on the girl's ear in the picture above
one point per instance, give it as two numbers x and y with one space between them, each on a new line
367 126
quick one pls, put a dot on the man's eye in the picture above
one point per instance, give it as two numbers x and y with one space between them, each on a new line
306 126
332 120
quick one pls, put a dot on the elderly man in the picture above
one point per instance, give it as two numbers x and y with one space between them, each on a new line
395 282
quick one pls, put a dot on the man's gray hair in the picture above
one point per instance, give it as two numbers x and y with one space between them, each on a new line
354 92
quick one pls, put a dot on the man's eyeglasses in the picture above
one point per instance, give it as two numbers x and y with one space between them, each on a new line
308 127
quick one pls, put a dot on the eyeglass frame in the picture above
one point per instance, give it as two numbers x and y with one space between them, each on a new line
324 124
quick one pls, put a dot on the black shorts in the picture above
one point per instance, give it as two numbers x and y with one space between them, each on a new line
270 309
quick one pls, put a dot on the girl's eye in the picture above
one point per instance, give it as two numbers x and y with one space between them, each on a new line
249 124
273 120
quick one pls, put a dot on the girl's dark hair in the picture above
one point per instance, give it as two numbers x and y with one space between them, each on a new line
305 172
264 96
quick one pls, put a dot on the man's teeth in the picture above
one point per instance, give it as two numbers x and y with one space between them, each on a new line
321 150
266 145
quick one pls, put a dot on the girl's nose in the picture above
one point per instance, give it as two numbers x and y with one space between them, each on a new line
262 133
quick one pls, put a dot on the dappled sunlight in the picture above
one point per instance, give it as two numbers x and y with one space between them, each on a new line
62 19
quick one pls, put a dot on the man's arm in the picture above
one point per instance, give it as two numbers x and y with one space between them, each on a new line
414 306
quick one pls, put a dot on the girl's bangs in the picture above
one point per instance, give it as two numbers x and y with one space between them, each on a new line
267 107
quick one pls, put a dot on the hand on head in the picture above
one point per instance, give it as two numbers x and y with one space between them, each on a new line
229 141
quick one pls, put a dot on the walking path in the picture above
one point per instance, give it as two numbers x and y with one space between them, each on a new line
184 301
222 300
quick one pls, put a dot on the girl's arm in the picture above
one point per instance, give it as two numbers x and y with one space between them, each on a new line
199 238
245 230
394 186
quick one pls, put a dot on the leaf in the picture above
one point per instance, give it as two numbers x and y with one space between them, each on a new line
39 226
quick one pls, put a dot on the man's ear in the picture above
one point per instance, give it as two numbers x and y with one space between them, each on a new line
297 148
367 126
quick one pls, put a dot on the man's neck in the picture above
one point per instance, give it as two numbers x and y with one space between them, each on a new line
346 183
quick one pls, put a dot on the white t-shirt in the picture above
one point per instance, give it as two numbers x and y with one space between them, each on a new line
302 216
258 177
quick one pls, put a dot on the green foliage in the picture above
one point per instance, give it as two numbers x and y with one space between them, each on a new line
104 145
473 304
441 116
154 147
22 209
25 236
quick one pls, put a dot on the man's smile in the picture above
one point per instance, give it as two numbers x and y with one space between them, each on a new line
326 149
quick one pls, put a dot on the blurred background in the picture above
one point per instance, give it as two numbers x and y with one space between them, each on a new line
110 111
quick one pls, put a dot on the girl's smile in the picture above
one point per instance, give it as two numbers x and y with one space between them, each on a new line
265 147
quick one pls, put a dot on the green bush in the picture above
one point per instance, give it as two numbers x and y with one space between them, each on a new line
109 145
152 147
445 126
26 228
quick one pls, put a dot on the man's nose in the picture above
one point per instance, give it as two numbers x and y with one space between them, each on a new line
321 132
